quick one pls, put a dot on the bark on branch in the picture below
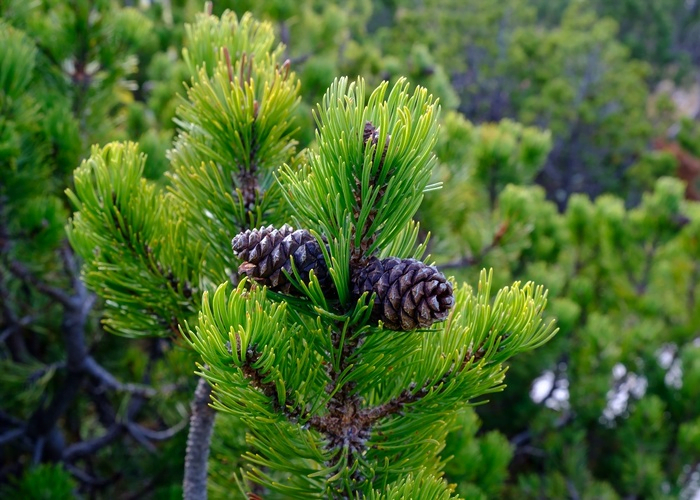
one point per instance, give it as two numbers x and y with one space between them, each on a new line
197 455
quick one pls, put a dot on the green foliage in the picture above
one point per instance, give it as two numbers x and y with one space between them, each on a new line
476 164
72 74
351 193
651 167
290 353
414 486
623 285
689 136
663 33
480 464
16 65
27 191
591 95
574 78
282 365
24 384
270 357
42 482
146 251
235 129
122 229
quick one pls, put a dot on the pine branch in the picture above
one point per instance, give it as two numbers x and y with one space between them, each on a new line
95 370
90 447
88 479
12 334
150 434
7 419
143 261
115 429
641 284
11 435
692 285
198 442
16 324
20 271
41 428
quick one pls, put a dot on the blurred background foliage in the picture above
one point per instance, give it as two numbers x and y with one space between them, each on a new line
568 154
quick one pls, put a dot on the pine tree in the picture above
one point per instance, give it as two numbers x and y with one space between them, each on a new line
345 356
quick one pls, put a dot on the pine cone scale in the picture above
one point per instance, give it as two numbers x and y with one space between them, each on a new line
424 311
433 303
418 292
394 297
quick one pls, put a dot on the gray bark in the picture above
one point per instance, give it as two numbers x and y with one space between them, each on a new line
201 424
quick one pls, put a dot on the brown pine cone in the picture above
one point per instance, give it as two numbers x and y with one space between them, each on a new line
267 253
409 293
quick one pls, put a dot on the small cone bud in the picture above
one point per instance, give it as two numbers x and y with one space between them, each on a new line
371 135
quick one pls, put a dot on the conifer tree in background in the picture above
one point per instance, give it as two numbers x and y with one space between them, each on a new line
65 83
605 410
344 356
574 78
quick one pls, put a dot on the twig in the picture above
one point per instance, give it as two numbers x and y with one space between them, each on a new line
38 449
11 435
135 433
393 406
12 334
284 37
157 435
648 261
573 492
296 60
85 448
33 377
532 451
71 266
14 326
97 371
86 478
521 440
23 273
8 419
198 442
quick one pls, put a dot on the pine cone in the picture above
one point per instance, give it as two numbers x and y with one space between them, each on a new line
409 293
371 134
267 251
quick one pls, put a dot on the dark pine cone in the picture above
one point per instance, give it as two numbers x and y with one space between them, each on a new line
409 293
267 251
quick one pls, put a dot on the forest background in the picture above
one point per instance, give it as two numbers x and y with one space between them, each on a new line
568 152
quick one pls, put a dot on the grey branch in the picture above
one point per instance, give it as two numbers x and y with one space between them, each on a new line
11 435
87 448
98 372
201 425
